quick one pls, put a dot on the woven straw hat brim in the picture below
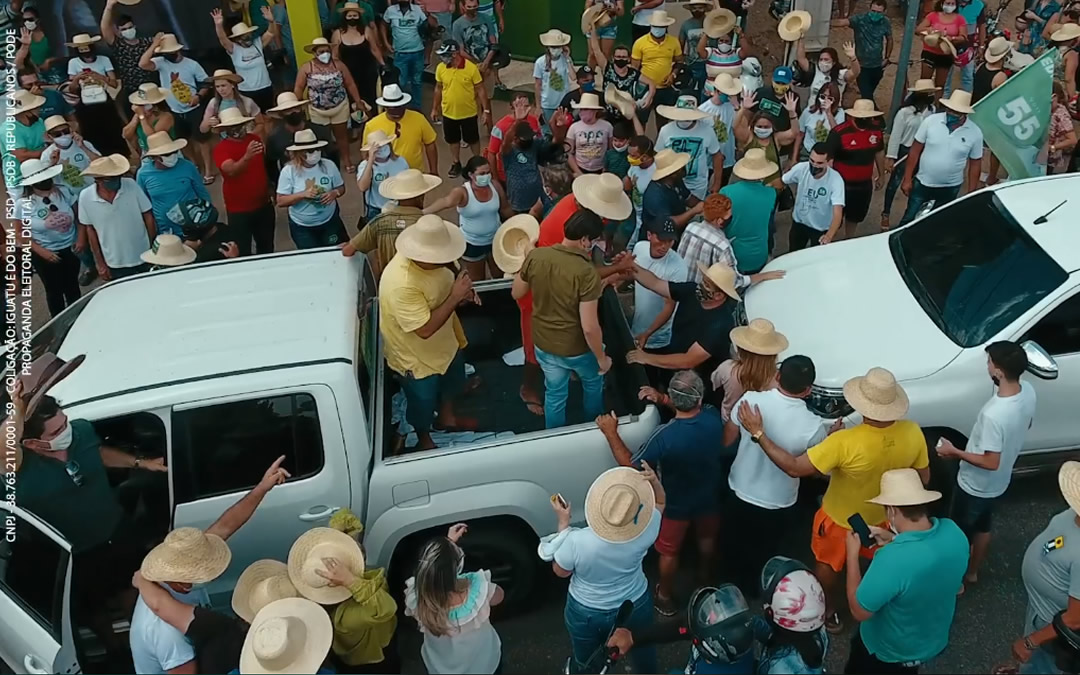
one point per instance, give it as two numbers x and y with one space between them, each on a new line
679 160
28 102
169 148
350 553
620 100
45 174
141 98
660 19
288 106
719 22
507 260
678 114
585 195
162 564
881 412
393 187
926 87
241 33
620 475
109 166
748 172
410 245
855 112
725 285
312 46
765 344
728 85
169 47
903 487
93 40
591 16
309 655
34 391
554 40
1069 31
378 144
233 121
1069 482
257 572
314 145
793 25
228 77
186 256
957 107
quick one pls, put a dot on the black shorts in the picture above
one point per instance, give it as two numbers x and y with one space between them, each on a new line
264 98
857 197
937 60
187 124
973 514
456 131
104 571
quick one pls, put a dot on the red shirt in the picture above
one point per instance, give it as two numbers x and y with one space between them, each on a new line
497 135
249 190
551 230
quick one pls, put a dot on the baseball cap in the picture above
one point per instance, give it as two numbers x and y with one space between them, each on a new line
783 75
585 71
448 48
663 229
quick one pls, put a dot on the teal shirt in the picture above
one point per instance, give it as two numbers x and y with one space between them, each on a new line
752 205
911 589
17 136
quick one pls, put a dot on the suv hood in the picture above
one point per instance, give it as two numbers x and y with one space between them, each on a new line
845 306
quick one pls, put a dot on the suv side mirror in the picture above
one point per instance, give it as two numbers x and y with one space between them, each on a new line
1040 363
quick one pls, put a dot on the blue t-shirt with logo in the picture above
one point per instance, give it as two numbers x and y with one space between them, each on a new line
405 28
324 177
379 173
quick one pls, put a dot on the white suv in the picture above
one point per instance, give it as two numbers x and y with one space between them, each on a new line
924 301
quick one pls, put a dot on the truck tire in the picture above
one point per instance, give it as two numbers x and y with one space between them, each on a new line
511 558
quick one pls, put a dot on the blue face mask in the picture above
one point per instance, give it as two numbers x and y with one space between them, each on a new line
588 86
724 98
483 180
112 183
658 32
953 120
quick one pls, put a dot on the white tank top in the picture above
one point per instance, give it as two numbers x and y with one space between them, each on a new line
479 220
250 64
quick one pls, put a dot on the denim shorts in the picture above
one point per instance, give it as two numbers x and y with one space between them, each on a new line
608 32
474 253
973 514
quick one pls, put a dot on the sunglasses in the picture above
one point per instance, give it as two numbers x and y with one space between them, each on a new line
52 207
73 471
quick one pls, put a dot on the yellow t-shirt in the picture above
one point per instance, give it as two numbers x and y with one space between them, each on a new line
458 90
414 132
854 460
656 57
407 294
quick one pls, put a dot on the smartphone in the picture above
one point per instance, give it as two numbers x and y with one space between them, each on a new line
940 442
558 499
859 526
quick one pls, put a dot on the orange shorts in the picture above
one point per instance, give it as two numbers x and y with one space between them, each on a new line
827 542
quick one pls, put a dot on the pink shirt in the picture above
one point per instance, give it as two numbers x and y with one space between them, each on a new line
589 143
950 30
725 377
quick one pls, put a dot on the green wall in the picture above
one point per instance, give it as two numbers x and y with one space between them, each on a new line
526 19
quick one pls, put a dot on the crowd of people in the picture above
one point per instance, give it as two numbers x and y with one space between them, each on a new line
657 169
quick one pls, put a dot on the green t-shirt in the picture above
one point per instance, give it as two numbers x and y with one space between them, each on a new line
752 206
911 589
87 514
21 137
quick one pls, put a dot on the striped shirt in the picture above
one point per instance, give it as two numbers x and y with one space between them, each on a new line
705 244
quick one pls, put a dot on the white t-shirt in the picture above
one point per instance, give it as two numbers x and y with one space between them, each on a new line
606 573
821 78
642 17
324 176
554 82
647 305
157 647
815 126
815 197
119 225
180 81
700 142
723 115
381 172
640 178
250 64
945 155
100 65
1000 427
754 478
74 159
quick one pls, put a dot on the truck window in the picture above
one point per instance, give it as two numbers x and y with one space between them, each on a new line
32 572
227 447
973 268
1059 331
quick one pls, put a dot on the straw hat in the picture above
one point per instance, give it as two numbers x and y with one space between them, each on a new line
719 22
36 170
307 553
353 6
754 165
877 396
513 240
227 75
305 139
668 161
187 556
603 194
1069 31
588 102
431 240
1069 482
794 25
168 251
292 635
393 97
863 107
684 110
660 19
147 94
903 487
83 40
108 166
51 122
923 86
998 49
287 101
407 184
23 102
935 39
240 30
594 16
315 44
263 582
619 505
45 371
231 117
723 277
554 38
160 143
726 84
377 139
958 101
169 45
620 100
759 337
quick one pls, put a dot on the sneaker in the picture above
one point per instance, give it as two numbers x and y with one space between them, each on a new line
87 276
455 170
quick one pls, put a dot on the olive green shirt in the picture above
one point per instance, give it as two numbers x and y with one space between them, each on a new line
381 233
561 278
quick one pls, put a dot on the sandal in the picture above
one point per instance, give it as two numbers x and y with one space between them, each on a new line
834 625
663 606
208 180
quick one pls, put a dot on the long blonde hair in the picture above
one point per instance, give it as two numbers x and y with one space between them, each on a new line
437 581
755 371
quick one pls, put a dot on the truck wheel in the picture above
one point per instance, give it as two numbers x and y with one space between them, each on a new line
511 558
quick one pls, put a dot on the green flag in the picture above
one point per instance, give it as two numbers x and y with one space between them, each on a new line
1015 118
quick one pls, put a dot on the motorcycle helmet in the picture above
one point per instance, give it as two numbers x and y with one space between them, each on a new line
719 621
794 598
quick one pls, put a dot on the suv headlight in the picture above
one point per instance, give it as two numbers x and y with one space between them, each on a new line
828 403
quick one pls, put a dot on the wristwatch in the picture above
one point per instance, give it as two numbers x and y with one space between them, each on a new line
757 437
1029 645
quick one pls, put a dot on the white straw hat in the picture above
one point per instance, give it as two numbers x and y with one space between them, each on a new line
108 166
903 487
408 184
754 165
227 75
595 15
240 30
513 241
263 582
292 635
958 101
589 101
306 556
160 143
997 50
726 84
877 395
863 107
619 505
36 170
23 102
52 122
147 94
315 44
1069 482
554 38
231 117
794 25
667 162
603 194
83 40
684 110
305 139
923 86
1067 32
719 22
620 100
936 39
168 45
287 101
393 97
660 19
187 556
431 240
168 251
377 139
722 276
759 337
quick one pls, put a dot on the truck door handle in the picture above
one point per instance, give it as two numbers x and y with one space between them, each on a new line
33 665
326 512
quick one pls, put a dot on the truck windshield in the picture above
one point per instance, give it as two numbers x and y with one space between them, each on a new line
973 268
51 336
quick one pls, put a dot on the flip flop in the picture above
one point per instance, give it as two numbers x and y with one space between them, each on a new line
663 606
208 180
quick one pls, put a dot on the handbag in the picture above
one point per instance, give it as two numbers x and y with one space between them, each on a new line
785 200
92 94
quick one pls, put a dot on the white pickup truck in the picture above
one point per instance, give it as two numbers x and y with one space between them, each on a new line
223 367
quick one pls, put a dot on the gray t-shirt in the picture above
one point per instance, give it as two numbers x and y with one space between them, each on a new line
474 35
1051 576
1001 427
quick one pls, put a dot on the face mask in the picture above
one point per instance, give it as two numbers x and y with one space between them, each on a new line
382 154
588 86
148 108
111 184
63 141
588 116
555 52
294 118
169 161
763 132
237 132
312 158
30 25
86 56
483 180
818 171
245 42
447 59
825 66
352 20
62 440
724 47
686 126
953 120
621 63
780 89
45 185
634 161
948 9
877 15
658 31
704 293
624 148
128 33
323 57
175 57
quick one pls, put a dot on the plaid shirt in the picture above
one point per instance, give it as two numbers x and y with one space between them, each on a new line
704 244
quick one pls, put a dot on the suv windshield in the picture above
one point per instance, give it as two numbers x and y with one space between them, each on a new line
973 268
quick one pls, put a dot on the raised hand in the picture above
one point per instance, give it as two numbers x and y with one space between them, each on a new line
217 16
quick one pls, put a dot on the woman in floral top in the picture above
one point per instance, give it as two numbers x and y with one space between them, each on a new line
330 88
1062 134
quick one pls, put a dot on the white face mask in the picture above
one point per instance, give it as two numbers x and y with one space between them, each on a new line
30 25
825 66
686 125
658 31
724 47
948 9
324 57
170 160
128 33
312 158
383 153
555 52
763 132
62 441
148 108
63 141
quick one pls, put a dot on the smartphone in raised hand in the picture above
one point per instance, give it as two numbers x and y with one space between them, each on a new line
859 526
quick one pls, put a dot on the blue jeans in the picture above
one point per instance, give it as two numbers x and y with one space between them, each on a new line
920 194
423 396
330 233
410 65
546 122
589 629
967 77
557 371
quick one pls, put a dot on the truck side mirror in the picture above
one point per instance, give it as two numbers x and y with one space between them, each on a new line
1040 363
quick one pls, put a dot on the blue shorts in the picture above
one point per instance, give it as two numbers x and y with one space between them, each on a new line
973 514
474 253
608 32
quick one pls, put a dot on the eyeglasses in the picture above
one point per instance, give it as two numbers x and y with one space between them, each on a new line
73 471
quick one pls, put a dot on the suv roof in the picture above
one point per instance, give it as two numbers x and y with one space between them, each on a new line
206 320
1029 199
